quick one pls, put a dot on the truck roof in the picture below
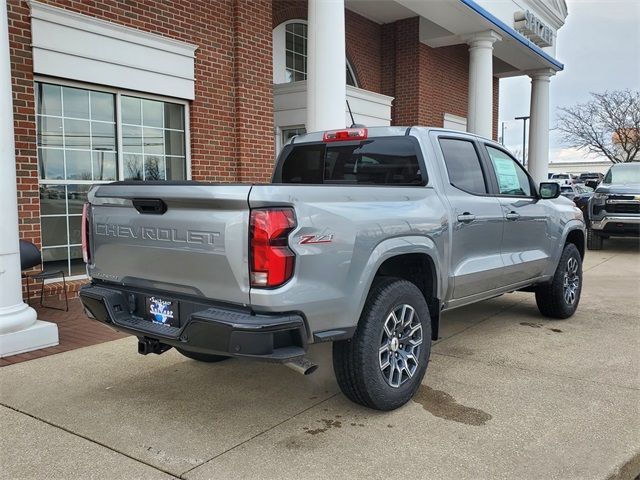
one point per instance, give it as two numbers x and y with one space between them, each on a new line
380 132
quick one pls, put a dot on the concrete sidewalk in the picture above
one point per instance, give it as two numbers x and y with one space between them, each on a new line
508 394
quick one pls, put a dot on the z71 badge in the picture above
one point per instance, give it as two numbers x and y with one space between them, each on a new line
313 239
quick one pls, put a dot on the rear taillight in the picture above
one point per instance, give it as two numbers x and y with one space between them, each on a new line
85 233
271 262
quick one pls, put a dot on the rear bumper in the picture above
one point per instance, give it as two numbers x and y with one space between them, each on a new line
203 328
617 225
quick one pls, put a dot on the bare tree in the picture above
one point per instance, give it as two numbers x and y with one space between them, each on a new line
518 154
152 169
608 124
133 164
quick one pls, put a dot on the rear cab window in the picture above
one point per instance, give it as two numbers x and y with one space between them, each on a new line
373 161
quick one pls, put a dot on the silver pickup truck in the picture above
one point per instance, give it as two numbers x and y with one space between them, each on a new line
363 238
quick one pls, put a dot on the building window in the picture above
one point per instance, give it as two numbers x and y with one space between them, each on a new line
296 51
79 132
351 78
289 132
290 54
152 139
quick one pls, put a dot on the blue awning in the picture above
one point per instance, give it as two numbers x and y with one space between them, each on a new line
507 30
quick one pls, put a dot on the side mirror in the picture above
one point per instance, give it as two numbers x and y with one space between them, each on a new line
549 190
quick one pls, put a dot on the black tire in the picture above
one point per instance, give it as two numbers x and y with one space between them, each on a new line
594 240
357 362
552 298
202 357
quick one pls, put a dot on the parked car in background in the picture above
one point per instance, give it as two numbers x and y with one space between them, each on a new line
581 199
571 191
363 238
591 179
562 178
614 208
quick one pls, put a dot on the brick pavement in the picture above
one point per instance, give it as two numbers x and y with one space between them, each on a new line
74 328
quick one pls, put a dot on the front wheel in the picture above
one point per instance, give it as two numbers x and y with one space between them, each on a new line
383 364
560 298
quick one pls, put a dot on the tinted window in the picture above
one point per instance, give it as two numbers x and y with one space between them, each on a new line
512 180
623 174
304 164
463 165
379 161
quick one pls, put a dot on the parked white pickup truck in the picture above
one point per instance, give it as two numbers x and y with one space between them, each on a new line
363 238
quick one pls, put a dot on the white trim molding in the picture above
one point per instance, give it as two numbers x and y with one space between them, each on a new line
79 47
290 106
454 122
555 10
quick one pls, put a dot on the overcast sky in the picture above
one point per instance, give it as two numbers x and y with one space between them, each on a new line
600 48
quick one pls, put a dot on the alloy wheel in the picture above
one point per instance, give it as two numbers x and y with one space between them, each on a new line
571 282
400 343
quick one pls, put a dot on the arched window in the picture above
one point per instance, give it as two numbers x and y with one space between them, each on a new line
290 53
351 78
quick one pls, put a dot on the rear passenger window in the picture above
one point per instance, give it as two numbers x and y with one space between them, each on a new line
376 161
463 165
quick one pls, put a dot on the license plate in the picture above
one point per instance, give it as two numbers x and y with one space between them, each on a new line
164 312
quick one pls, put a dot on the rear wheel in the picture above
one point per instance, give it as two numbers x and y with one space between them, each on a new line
383 364
594 240
560 298
202 357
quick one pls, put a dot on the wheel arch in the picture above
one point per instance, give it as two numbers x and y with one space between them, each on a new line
576 236
417 263
575 233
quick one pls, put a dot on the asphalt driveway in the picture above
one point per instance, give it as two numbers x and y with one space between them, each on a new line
508 394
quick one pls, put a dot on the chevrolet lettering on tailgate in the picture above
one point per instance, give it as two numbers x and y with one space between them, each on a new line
156 234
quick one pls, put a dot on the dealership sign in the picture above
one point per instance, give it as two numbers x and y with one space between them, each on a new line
533 28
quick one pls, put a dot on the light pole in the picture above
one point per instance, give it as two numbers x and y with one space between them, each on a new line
524 139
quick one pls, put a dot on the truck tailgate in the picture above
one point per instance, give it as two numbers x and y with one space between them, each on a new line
188 237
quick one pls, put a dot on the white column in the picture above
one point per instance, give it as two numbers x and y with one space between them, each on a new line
538 165
326 61
20 331
480 108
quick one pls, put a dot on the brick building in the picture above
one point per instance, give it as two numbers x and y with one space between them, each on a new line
210 90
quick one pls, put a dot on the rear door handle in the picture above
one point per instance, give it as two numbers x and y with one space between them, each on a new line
512 216
466 217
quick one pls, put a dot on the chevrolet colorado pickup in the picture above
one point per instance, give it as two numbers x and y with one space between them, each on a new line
363 238
614 208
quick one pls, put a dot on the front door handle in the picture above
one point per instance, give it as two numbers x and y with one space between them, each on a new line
466 217
512 216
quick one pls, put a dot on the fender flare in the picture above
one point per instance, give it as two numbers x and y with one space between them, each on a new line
571 225
393 247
